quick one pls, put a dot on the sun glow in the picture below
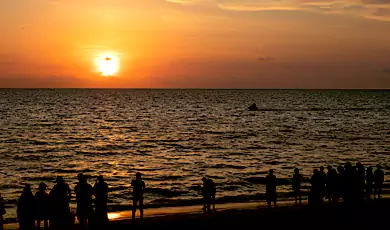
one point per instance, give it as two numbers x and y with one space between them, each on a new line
107 65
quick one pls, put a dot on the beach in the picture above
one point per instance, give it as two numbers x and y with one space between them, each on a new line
370 214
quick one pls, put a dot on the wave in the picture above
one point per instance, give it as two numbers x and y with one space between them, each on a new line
322 109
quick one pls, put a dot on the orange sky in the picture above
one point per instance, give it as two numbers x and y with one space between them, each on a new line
196 43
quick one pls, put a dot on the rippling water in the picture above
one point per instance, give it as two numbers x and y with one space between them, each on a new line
174 137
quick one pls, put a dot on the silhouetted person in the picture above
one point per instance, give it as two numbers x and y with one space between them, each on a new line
341 182
350 173
42 206
84 194
60 196
379 178
26 209
2 212
360 181
369 182
138 195
271 183
316 189
296 186
100 190
253 107
208 193
322 181
331 184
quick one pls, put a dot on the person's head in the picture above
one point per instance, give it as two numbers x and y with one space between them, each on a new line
322 168
204 179
81 178
296 170
359 165
369 169
100 178
27 188
315 171
378 166
138 176
340 169
271 172
348 165
329 168
60 180
42 187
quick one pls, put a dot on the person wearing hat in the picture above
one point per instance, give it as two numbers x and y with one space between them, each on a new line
271 183
379 178
84 194
138 195
42 206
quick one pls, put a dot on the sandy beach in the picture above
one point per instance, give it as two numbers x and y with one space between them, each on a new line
255 215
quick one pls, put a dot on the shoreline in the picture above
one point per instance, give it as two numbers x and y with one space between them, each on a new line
120 219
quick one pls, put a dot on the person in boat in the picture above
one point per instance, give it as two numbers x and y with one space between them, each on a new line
253 107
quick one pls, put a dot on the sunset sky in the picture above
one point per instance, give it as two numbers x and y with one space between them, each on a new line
195 43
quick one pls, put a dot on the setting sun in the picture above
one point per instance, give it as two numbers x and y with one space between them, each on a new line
107 65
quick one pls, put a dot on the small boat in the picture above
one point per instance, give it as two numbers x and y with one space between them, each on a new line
253 107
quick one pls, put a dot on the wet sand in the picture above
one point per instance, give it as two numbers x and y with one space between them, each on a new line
256 215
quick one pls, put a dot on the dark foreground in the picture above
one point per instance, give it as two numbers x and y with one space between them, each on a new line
367 216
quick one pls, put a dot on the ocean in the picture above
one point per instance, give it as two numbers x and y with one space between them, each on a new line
175 137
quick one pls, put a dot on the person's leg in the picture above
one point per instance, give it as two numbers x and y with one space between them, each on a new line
46 224
38 224
134 208
141 207
213 201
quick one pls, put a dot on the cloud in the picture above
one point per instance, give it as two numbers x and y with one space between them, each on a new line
374 9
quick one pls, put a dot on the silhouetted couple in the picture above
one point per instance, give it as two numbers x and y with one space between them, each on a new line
208 193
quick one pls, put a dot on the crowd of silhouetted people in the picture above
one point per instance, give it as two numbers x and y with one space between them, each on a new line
348 183
53 207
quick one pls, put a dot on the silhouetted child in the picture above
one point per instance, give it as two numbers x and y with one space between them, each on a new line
379 178
84 193
271 183
369 182
101 194
2 212
138 195
26 209
42 206
60 196
296 186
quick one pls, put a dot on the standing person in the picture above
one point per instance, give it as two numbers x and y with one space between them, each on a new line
379 178
42 206
360 181
84 194
100 190
138 194
26 209
271 183
296 186
208 192
60 196
322 182
369 182
2 212
315 197
331 184
341 182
